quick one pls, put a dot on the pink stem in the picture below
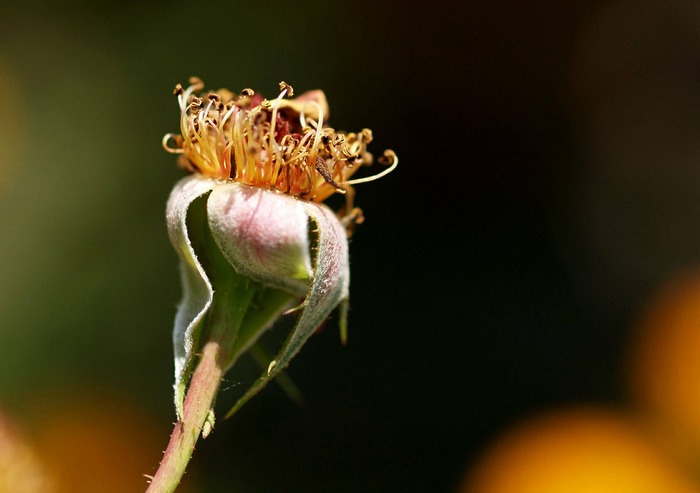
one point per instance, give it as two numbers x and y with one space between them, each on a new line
199 400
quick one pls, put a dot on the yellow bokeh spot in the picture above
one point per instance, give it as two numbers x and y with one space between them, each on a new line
664 368
576 451
20 468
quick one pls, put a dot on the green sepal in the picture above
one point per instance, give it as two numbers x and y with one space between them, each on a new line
329 287
197 290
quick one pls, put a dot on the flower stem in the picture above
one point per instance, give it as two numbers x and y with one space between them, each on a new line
198 402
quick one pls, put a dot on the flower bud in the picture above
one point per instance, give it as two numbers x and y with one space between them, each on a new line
263 234
267 242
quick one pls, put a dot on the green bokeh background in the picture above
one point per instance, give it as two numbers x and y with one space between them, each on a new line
548 183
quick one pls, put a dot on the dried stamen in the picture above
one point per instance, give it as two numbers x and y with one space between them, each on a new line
279 144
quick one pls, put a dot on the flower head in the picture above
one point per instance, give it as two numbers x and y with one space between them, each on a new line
275 144
264 240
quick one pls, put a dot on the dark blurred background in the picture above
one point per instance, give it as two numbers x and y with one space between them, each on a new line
549 183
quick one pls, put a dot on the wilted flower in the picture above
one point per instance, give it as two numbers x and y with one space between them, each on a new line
266 166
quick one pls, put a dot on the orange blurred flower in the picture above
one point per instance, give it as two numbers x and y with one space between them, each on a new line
664 368
95 443
577 451
20 468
